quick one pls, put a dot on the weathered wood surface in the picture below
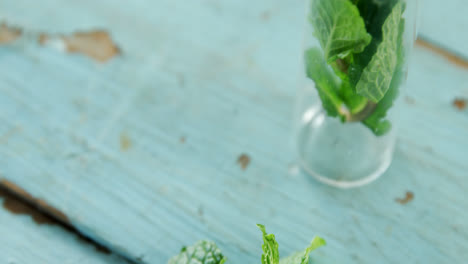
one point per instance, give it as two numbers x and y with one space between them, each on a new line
141 152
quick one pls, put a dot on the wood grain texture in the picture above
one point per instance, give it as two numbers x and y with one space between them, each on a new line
103 142
25 241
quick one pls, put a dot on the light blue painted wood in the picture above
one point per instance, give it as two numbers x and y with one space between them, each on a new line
223 75
445 23
23 241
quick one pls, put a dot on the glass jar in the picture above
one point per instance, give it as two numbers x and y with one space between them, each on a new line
355 65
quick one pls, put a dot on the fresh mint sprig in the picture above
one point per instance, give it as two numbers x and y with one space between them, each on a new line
359 68
206 252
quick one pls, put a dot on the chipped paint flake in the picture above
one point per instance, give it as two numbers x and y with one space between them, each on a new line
8 34
409 196
459 103
96 44
243 161
125 142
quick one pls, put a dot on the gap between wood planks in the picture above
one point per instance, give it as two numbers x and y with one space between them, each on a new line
17 201
454 58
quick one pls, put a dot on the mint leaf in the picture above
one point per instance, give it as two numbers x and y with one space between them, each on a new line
339 28
374 14
354 102
377 76
357 75
326 83
270 247
206 252
302 257
203 252
376 121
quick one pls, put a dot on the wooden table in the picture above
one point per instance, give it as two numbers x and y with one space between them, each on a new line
138 149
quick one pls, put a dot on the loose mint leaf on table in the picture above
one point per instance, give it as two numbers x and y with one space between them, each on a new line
339 28
302 257
326 83
203 252
271 254
377 76
206 252
270 247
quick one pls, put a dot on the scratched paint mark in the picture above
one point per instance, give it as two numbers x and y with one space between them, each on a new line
451 57
388 230
125 142
96 44
459 103
265 16
243 161
9 34
12 261
410 100
180 79
80 103
201 211
409 196
428 149
5 137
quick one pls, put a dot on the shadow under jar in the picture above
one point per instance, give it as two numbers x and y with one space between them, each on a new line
355 58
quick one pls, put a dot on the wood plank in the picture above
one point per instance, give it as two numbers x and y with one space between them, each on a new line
30 237
444 23
103 142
